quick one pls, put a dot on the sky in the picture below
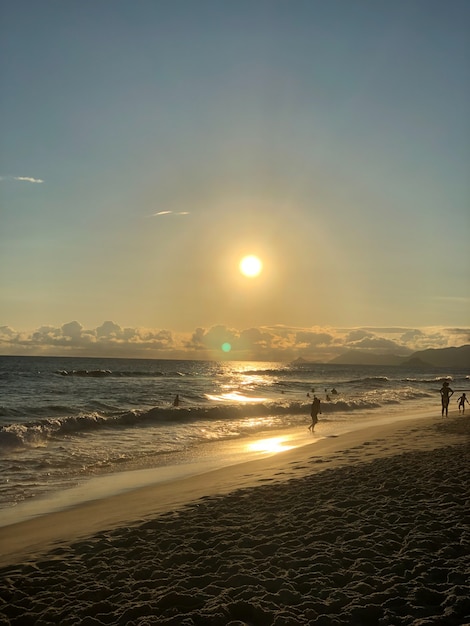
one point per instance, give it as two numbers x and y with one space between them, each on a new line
147 146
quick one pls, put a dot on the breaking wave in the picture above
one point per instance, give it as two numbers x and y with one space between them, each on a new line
36 433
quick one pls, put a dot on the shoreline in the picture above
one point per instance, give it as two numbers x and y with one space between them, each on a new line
43 530
202 459
370 528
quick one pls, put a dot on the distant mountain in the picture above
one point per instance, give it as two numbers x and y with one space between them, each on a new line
415 361
433 357
443 357
359 357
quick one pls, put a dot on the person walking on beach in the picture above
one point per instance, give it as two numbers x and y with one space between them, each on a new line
316 409
176 401
446 394
461 402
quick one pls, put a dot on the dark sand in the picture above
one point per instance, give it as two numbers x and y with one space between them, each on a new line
381 536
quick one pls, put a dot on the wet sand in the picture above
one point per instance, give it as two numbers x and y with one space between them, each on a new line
367 528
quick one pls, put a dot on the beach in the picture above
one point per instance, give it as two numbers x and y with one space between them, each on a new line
370 527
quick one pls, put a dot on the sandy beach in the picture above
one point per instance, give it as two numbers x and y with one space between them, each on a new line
367 528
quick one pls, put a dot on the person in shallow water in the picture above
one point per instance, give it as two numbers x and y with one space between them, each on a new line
315 410
461 402
176 401
446 394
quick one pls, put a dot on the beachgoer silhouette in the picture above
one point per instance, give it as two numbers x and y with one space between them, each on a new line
315 410
333 391
461 402
176 401
446 393
328 398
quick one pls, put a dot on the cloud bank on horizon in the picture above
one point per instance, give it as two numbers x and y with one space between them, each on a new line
275 343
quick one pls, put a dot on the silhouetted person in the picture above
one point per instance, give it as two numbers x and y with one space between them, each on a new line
315 410
446 394
333 391
328 399
176 401
461 402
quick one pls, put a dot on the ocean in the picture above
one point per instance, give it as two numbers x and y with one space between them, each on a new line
66 421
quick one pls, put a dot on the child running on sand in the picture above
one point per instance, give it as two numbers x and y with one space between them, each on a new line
461 402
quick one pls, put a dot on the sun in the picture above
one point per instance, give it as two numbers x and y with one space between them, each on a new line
250 266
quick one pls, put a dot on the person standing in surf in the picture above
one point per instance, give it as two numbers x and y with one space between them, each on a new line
315 410
446 394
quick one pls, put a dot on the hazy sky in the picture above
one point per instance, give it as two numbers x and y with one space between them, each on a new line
147 145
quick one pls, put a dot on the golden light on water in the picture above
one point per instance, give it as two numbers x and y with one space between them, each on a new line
234 396
251 266
271 445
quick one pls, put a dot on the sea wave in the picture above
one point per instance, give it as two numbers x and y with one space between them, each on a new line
368 380
36 433
100 373
428 381
45 410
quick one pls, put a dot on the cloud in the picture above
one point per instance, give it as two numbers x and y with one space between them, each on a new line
73 339
7 332
170 213
267 343
357 335
316 344
379 345
26 179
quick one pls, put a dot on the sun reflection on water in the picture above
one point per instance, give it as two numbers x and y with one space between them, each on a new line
234 396
271 445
